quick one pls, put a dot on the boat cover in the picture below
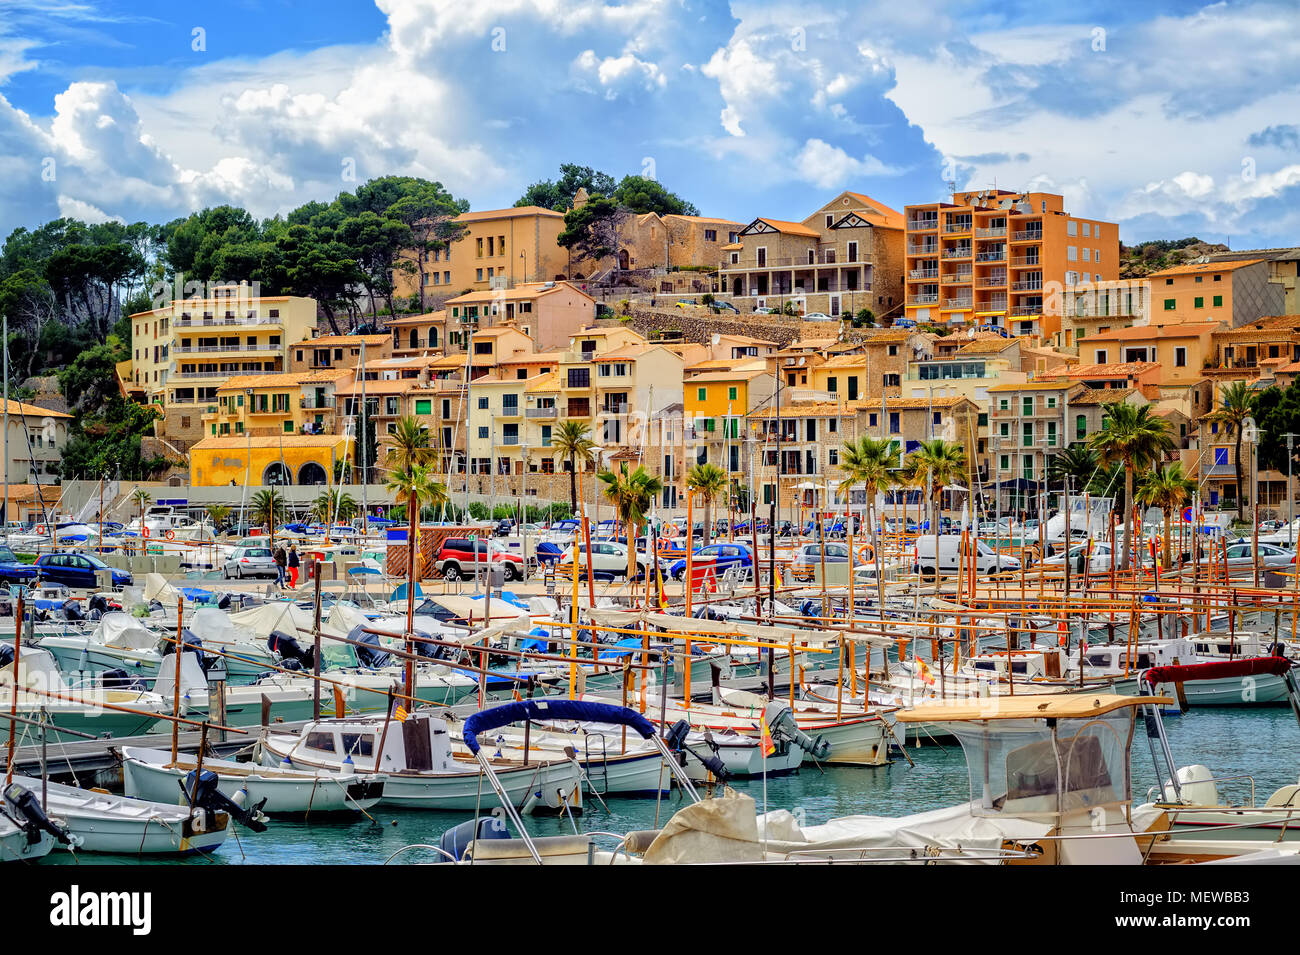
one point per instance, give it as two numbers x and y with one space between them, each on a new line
1217 670
548 709
117 629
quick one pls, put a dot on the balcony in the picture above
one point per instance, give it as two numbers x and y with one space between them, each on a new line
928 299
961 252
997 232
1034 285
957 303
209 349
996 280
956 278
957 227
993 255
917 274
222 374
511 411
993 305
821 257
1026 262
251 318
925 248
543 413
1030 235
923 225
314 403
1034 310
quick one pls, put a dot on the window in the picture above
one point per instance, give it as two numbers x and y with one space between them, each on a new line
701 393
579 377
832 385
1198 302
1072 228
1072 253
483 433
1170 304
731 394
1218 301
1100 355
1027 404
710 235
1180 357
482 404
833 456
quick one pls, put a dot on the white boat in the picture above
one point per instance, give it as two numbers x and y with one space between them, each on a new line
120 825
27 833
422 769
1109 660
152 774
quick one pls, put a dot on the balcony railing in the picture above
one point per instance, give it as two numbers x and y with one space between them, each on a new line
957 303
996 232
923 299
996 280
956 278
925 248
960 226
312 403
993 255
1027 236
1035 285
222 374
227 320
993 305
542 413
206 349
1034 310
962 252
923 273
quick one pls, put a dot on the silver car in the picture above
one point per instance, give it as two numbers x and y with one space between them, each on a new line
1241 557
250 562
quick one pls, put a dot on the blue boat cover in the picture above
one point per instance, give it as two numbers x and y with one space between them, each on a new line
550 709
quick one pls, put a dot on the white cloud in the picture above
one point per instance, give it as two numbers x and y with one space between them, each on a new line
829 166
616 75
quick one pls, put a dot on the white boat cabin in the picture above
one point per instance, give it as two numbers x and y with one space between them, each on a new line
418 744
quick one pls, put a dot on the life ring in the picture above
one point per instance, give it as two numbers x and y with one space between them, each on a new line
144 532
170 535
40 528
866 553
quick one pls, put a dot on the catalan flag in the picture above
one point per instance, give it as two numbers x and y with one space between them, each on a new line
399 712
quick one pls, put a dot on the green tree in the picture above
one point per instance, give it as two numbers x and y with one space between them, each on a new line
414 485
708 481
937 463
557 195
632 495
868 462
1132 438
407 445
1238 404
1169 489
1078 463
572 442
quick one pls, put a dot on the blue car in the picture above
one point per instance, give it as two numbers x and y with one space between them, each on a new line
729 554
78 571
12 570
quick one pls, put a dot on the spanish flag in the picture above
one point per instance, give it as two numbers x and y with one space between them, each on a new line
768 746
659 576
924 672
777 571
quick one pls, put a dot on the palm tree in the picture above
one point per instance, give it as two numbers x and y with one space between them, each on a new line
572 442
330 506
1130 436
1077 463
709 480
938 463
1238 405
141 498
217 514
408 445
267 508
867 462
631 494
415 486
1167 488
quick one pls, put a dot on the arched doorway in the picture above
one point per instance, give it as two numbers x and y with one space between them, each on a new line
623 259
277 473
312 473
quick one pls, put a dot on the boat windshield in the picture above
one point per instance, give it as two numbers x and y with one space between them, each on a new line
1035 768
338 655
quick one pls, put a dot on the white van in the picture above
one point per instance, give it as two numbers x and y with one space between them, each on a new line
940 552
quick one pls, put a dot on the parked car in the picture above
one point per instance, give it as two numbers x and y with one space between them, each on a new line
78 570
941 552
13 570
458 557
808 557
1240 556
817 317
1098 562
725 556
687 306
608 557
764 310
725 307
254 561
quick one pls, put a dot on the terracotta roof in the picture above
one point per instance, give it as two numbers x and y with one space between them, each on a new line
529 290
892 218
1139 332
991 345
511 213
35 411
270 441
891 337
426 318
811 409
1119 369
1034 386
1201 268
1100 396
845 361
912 404
534 358
288 379
393 386
791 228
331 340
542 383
737 374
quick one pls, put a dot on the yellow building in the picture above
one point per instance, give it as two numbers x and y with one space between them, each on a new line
183 352
266 405
717 402
263 460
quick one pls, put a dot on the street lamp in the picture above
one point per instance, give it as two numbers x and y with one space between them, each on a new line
1250 437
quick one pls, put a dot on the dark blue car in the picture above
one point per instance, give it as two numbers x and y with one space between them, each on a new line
78 570
728 554
12 570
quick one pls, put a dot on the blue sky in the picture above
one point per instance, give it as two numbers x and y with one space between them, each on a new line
1172 118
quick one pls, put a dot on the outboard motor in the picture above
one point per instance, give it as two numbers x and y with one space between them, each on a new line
192 645
810 608
201 792
223 603
676 740
432 651
456 840
98 603
32 817
370 654
72 611
780 719
6 654
292 655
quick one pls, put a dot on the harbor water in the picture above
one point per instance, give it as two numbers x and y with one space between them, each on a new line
1248 743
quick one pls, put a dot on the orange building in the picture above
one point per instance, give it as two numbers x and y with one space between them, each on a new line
1002 258
1235 293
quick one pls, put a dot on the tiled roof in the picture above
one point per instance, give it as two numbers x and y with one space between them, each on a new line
35 411
270 441
1101 396
791 228
512 213
1119 369
1201 268
1141 332
892 219
288 379
332 340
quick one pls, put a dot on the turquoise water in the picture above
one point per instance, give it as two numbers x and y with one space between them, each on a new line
1262 742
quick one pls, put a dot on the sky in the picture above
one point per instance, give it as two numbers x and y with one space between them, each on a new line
1170 118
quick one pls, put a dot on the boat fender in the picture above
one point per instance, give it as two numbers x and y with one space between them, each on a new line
456 840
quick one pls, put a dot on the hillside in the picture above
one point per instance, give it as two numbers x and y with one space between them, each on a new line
1138 261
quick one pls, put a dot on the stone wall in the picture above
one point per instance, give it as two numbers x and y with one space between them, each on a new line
700 325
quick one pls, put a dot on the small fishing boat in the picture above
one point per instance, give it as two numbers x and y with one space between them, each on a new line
153 774
120 825
422 769
27 833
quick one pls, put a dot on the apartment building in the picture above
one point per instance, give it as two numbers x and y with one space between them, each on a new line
1028 424
1183 351
1283 271
994 257
183 352
549 312
272 405
1233 293
716 405
418 334
35 445
1255 351
1087 310
845 257
338 351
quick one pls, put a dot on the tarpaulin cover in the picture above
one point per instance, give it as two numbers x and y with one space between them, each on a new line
508 713
1218 670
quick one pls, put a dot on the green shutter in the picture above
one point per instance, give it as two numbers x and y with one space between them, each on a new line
700 394
1198 302
1169 305
1218 301
423 406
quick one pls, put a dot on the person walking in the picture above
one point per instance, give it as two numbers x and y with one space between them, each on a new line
293 566
281 558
